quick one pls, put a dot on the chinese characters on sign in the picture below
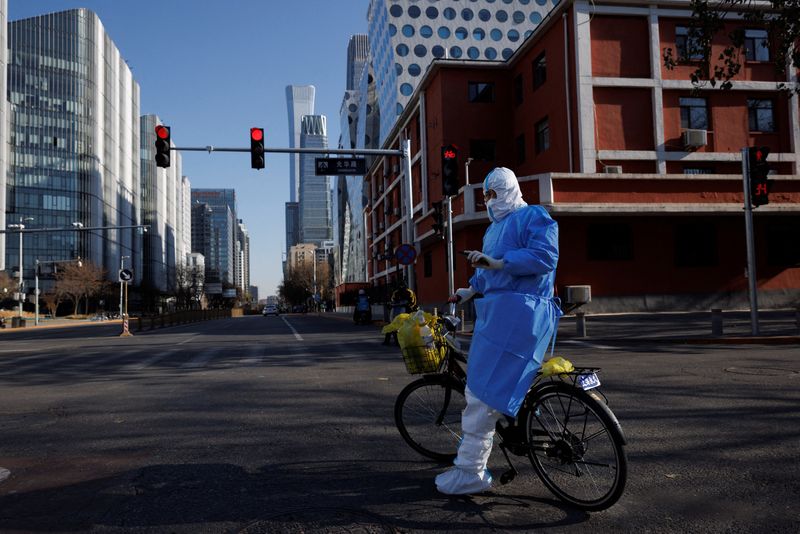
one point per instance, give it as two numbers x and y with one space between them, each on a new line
340 166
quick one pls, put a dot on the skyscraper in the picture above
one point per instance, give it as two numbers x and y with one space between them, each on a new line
4 122
406 35
299 102
220 249
243 257
315 195
165 207
75 137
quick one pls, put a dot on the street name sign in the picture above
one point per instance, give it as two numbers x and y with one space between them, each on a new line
340 166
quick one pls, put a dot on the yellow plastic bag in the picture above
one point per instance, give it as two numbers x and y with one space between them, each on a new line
557 366
395 325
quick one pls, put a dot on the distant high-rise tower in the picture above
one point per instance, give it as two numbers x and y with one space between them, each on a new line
299 102
315 194
220 255
357 57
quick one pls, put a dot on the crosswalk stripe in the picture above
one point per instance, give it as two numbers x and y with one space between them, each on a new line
149 361
200 360
255 356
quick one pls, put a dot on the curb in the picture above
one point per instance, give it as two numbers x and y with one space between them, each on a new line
743 340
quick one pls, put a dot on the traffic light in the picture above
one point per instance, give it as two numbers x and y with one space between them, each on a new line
450 170
438 218
759 169
257 148
162 146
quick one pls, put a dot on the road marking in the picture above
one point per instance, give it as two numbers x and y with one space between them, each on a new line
297 336
256 354
148 362
187 339
586 344
200 360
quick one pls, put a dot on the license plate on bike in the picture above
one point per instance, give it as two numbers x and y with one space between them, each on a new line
588 381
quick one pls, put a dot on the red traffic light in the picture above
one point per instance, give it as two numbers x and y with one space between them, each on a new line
449 154
162 132
256 134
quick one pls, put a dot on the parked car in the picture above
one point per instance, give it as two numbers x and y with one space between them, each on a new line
270 309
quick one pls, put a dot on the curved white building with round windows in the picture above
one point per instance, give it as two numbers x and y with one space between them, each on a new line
406 35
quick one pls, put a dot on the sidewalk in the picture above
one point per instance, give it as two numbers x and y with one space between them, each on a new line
775 327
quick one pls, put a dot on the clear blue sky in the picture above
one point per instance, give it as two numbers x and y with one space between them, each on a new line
213 69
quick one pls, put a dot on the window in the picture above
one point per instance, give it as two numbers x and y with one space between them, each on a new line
609 242
760 115
782 236
518 92
756 46
694 113
542 135
427 264
699 170
481 92
695 245
687 44
482 149
520 145
539 70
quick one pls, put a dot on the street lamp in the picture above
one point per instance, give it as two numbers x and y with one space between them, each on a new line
20 227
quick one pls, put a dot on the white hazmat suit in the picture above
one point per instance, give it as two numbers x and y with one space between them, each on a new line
515 321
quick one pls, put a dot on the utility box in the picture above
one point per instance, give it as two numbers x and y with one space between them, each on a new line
577 295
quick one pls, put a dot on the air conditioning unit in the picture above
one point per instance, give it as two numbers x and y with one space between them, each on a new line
612 169
695 138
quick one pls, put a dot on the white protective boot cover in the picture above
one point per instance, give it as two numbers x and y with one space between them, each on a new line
470 474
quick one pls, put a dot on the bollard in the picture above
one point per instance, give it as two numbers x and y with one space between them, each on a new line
580 324
716 322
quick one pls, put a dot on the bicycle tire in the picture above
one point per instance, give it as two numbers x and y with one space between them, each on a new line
559 431
419 416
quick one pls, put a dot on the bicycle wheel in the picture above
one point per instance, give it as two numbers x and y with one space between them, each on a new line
428 415
576 446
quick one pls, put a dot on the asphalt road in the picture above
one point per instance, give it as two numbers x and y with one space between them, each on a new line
265 424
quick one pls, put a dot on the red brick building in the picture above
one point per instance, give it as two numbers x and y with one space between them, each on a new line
642 174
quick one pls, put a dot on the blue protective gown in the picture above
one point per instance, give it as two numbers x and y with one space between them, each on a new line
517 315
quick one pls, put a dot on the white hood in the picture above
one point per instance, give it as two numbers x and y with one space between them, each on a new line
509 198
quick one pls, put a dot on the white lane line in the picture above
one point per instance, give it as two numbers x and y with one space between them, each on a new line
187 339
297 336
255 356
148 362
586 344
200 360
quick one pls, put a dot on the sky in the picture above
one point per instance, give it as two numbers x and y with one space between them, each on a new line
213 69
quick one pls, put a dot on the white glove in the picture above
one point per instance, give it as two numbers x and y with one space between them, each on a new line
481 261
463 294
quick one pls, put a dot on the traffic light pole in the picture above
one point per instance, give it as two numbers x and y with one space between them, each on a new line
451 284
752 279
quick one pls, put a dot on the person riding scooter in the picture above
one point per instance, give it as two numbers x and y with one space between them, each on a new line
363 311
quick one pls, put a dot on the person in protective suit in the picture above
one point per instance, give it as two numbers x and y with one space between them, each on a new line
516 319
403 301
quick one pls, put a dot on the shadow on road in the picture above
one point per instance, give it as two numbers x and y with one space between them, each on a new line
271 499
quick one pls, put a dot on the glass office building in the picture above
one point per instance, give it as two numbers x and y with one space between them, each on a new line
220 251
316 225
166 207
74 142
3 127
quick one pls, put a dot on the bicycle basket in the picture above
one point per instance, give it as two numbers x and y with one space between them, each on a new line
423 359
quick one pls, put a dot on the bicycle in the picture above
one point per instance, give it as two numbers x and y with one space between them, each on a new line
564 427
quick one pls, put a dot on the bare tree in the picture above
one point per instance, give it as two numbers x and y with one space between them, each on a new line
7 285
76 282
297 285
781 21
189 285
51 302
